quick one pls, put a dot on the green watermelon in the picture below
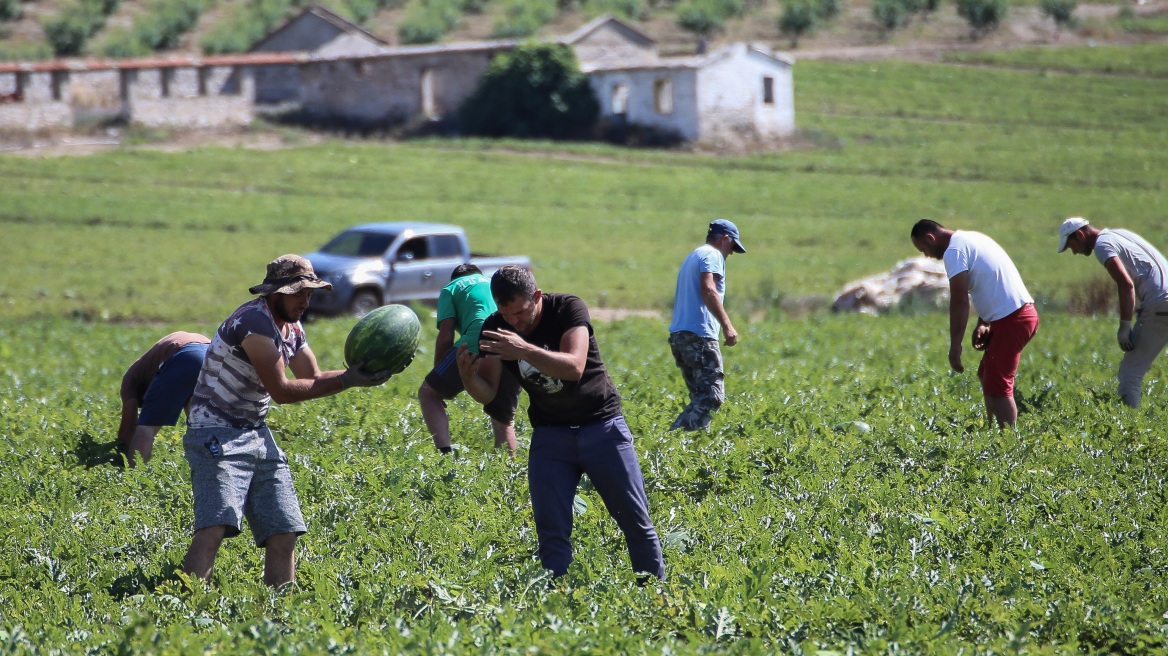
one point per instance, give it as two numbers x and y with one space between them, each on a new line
386 338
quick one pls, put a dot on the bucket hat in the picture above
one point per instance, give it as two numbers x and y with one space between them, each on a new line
289 274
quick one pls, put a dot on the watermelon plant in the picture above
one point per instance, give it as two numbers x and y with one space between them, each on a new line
930 532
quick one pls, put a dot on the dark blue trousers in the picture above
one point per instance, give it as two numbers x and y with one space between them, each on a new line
558 456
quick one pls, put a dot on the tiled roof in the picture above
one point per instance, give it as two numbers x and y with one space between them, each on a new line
253 59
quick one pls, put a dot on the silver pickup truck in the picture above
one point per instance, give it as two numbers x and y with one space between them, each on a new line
377 263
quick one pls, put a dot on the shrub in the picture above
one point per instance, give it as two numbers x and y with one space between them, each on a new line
890 14
245 25
122 42
425 21
522 18
361 10
1062 12
71 29
982 15
730 8
797 19
9 9
700 16
536 90
826 10
165 21
68 33
630 9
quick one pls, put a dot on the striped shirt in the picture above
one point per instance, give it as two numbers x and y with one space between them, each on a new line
229 392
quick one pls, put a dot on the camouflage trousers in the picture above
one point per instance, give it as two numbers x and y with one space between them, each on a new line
700 361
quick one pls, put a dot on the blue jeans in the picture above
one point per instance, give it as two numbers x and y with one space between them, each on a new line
559 455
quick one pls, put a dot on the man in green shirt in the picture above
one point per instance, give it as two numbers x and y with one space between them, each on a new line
462 307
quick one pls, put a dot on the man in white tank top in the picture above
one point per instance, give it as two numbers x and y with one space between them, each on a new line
978 268
1140 273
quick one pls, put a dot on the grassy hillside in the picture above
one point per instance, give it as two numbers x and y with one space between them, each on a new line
38 28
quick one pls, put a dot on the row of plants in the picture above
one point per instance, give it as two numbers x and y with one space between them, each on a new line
784 529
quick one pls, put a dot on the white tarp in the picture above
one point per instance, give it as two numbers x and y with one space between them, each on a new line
919 282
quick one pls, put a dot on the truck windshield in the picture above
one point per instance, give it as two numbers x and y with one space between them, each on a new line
355 243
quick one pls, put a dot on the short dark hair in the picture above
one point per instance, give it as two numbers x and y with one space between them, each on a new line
511 282
925 227
464 270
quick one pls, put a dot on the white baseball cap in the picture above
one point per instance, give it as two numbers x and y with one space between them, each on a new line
1068 228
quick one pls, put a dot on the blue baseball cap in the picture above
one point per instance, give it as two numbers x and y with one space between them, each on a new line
724 227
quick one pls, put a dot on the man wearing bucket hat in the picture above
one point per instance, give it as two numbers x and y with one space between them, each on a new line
698 316
1140 273
237 470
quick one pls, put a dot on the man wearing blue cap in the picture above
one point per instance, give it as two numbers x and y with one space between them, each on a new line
698 315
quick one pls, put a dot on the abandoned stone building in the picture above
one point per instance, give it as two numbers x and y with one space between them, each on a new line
186 92
315 30
334 71
396 84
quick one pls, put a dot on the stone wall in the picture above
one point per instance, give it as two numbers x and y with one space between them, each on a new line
389 90
39 101
188 97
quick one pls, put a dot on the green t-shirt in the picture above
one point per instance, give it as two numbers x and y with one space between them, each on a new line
468 301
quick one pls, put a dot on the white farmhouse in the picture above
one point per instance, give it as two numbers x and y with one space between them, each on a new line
738 93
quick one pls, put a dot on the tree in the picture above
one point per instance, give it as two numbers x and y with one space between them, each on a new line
982 15
701 17
826 10
890 14
9 9
1062 12
536 90
797 19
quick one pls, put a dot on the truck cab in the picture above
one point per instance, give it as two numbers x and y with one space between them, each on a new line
377 263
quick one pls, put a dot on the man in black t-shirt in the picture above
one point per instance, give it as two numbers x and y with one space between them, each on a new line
546 342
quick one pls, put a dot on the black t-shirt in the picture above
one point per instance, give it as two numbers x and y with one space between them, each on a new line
556 402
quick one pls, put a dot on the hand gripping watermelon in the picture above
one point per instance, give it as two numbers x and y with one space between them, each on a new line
386 338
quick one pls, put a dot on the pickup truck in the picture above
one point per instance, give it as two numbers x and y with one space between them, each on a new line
377 263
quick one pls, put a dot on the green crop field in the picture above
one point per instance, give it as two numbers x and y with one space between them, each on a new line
933 533
785 529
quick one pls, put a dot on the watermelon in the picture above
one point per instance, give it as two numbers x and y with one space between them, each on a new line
386 338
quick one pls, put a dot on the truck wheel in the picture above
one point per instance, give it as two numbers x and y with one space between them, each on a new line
363 303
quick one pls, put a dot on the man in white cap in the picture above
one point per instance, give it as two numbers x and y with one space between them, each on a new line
698 315
237 470
1140 273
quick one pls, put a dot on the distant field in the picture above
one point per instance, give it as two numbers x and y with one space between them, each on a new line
1148 59
144 235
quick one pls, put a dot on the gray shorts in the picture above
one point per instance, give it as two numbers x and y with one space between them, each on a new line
237 473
